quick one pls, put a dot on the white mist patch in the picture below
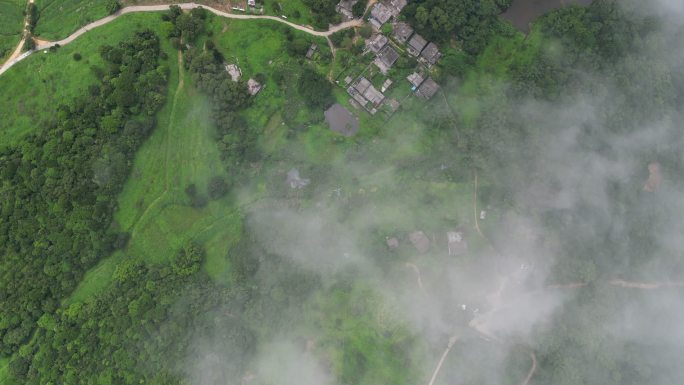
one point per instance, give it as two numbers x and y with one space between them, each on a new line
318 243
286 363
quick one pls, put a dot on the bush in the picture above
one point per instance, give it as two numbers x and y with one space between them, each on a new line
113 6
365 31
76 56
218 188
315 89
359 8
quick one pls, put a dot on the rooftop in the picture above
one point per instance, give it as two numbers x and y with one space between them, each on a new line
402 31
431 53
381 14
233 71
415 79
386 58
376 42
420 241
397 5
253 87
427 89
416 45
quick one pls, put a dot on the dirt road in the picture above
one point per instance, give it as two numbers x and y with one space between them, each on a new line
450 345
160 8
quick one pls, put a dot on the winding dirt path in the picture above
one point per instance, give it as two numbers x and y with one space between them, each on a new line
533 369
450 345
160 8
24 36
416 270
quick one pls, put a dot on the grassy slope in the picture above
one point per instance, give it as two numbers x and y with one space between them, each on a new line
59 18
289 8
31 90
4 363
11 25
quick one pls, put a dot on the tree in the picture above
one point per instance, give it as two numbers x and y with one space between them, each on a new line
218 188
76 56
112 6
315 89
365 31
359 8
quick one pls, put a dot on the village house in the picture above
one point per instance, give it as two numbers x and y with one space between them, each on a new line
312 49
420 241
376 42
402 31
380 14
295 181
253 87
233 71
363 92
416 44
427 89
415 79
396 6
455 243
344 8
386 58
431 54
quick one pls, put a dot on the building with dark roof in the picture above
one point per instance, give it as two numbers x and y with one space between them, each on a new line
376 42
344 7
402 31
380 14
431 53
416 44
427 89
415 79
363 92
396 6
386 58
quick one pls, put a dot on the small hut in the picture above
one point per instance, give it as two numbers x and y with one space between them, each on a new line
420 241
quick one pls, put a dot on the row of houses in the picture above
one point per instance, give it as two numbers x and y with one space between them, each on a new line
365 95
456 244
416 45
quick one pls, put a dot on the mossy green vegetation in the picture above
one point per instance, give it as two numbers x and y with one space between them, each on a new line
33 88
215 257
11 25
59 18
295 10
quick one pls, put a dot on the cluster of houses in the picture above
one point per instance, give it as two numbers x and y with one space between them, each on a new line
253 86
456 244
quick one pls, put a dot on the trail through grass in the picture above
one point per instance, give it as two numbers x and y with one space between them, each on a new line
59 18
11 26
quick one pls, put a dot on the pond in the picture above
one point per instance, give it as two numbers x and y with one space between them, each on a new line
341 120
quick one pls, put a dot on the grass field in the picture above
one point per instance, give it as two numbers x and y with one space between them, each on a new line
59 18
4 362
295 10
31 90
11 25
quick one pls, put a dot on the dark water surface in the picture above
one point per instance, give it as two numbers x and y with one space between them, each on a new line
523 12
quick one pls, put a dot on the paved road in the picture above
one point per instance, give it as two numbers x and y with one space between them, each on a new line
186 6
